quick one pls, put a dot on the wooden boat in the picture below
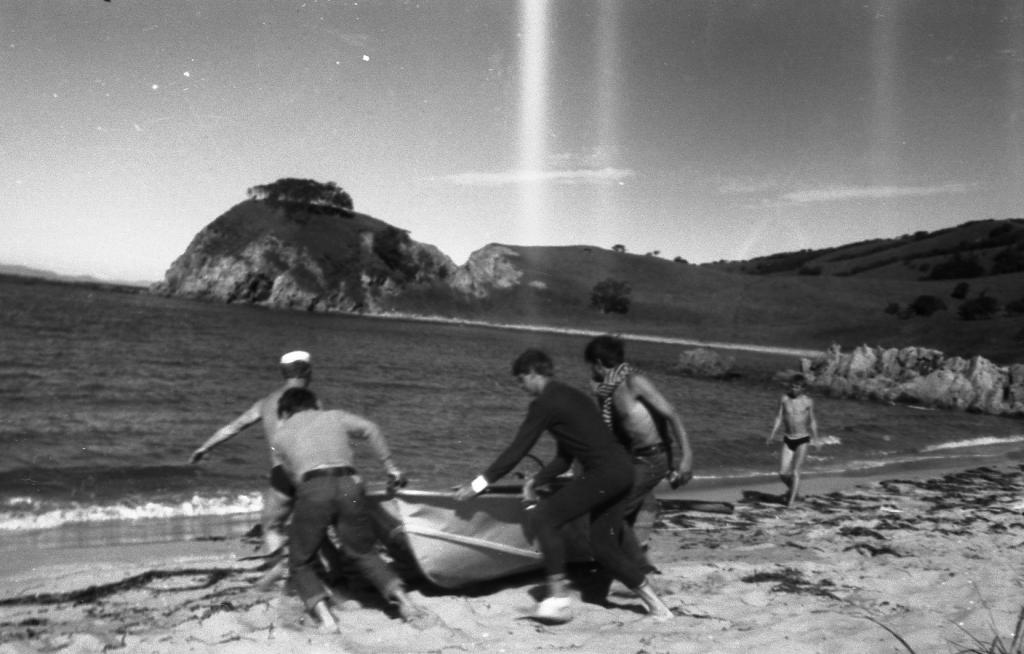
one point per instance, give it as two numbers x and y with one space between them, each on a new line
455 544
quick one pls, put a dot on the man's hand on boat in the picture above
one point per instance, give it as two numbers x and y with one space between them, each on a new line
471 489
530 496
396 480
680 477
464 492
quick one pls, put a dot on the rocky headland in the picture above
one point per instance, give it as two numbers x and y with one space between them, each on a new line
308 258
919 375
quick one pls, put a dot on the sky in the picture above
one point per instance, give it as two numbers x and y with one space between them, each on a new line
707 130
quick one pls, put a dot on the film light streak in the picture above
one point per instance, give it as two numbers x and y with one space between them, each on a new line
533 128
608 57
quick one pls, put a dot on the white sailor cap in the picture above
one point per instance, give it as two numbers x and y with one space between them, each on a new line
295 357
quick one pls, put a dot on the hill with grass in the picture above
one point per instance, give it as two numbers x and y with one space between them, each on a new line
298 244
974 249
554 286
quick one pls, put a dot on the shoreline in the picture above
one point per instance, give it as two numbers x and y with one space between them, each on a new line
932 555
570 331
164 527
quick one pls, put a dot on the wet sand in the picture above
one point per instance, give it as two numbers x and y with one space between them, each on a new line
930 557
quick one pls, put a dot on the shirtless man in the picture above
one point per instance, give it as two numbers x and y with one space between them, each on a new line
640 416
796 412
278 498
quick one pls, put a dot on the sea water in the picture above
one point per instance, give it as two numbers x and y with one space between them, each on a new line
104 395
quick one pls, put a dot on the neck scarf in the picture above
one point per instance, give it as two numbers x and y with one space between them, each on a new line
607 388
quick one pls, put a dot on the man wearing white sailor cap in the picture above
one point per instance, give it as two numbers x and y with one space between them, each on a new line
297 370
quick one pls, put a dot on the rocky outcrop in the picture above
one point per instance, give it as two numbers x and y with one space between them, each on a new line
491 267
288 258
921 376
704 362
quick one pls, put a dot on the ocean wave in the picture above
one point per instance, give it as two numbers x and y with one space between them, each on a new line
26 513
975 442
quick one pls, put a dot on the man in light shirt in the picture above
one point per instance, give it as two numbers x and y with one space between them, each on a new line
315 449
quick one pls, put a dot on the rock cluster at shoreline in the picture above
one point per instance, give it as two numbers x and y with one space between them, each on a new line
921 376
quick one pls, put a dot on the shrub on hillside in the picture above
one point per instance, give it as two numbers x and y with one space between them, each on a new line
957 267
1015 307
960 291
1009 260
926 305
893 308
391 245
980 308
611 296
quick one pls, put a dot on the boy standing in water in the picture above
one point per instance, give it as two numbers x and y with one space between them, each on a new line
796 411
601 491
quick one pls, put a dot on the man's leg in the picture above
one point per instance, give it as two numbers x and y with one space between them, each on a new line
786 469
647 474
355 530
277 507
314 510
798 461
604 522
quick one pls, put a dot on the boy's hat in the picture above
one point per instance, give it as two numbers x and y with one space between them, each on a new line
295 357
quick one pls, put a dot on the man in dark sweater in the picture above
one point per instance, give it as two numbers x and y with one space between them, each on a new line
574 421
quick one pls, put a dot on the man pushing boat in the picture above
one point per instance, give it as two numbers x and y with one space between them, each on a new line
601 491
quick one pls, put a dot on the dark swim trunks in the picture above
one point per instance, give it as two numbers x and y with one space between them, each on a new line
794 443
280 482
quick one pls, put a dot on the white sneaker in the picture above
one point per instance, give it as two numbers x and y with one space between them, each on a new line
554 610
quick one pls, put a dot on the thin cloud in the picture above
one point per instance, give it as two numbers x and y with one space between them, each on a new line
841 193
745 187
605 175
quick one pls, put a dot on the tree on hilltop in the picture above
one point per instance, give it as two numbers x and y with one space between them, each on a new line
303 192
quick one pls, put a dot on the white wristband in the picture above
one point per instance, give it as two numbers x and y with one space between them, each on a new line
479 484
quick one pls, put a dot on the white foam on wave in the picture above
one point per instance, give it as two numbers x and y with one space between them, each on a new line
981 441
25 513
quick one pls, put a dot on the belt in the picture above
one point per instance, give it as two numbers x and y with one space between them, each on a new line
335 471
648 450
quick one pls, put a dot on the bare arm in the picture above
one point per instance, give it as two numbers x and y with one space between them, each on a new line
228 431
643 389
778 422
813 423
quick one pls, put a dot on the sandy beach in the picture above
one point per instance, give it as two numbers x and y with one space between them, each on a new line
935 558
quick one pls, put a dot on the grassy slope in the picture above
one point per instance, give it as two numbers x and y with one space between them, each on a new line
910 257
683 301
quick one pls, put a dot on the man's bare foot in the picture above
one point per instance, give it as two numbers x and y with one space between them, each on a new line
328 624
656 609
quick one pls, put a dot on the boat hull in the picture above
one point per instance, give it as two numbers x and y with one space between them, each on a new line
455 544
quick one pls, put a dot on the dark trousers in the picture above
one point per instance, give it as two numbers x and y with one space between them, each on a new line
648 471
602 493
339 501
